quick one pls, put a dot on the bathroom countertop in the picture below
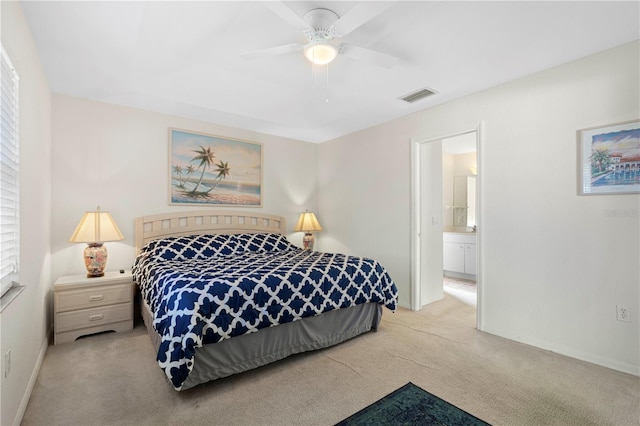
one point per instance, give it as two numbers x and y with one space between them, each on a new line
459 237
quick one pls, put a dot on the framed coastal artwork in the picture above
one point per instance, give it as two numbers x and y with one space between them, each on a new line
214 170
609 159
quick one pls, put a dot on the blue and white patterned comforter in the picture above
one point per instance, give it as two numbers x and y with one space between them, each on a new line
205 289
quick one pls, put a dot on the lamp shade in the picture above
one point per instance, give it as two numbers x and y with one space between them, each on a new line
96 227
307 223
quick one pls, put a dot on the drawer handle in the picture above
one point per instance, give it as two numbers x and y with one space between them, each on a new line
96 317
96 298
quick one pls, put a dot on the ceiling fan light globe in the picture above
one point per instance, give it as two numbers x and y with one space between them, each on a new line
320 53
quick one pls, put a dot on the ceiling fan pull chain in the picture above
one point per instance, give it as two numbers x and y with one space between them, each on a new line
327 94
315 78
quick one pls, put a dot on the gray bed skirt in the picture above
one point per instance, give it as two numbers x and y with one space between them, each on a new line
253 350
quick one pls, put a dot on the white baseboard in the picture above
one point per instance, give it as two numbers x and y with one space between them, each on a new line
606 362
570 352
32 380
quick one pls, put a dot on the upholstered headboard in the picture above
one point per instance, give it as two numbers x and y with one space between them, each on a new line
164 225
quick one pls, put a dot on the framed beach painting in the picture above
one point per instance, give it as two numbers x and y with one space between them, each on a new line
214 170
609 159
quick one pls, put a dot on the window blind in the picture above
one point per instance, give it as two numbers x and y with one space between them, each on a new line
9 185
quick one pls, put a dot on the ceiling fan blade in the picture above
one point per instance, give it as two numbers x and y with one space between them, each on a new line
358 15
367 55
272 51
292 18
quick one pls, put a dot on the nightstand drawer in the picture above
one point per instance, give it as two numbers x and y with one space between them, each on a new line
93 297
85 318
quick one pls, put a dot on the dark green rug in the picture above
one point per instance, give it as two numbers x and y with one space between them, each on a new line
411 405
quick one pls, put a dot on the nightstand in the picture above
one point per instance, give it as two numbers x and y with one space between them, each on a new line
90 305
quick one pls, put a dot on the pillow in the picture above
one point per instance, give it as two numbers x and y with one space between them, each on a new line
150 246
193 247
261 243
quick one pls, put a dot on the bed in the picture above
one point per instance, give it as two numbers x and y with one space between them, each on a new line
225 292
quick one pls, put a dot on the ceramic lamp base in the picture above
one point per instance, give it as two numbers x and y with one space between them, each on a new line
95 259
307 241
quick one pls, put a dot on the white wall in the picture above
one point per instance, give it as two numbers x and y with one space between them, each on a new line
24 323
118 158
363 199
554 264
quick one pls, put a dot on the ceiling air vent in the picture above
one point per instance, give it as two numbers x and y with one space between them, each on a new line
417 95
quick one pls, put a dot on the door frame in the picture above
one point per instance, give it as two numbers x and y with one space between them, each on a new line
416 143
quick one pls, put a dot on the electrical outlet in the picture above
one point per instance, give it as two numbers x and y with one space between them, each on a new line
623 314
7 363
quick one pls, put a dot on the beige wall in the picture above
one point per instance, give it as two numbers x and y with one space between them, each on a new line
24 323
553 264
118 158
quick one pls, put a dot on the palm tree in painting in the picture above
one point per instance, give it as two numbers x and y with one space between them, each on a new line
205 157
600 159
178 171
190 171
223 171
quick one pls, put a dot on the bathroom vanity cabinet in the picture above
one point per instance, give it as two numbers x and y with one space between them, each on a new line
459 253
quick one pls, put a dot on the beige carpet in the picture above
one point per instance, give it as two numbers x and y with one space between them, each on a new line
113 379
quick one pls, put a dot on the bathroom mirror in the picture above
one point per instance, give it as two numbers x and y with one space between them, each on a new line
464 201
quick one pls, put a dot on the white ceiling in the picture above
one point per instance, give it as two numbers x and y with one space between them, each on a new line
183 58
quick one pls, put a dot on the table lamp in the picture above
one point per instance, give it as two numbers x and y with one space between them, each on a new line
95 228
308 223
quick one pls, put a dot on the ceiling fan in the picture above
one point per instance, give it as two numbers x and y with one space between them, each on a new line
322 27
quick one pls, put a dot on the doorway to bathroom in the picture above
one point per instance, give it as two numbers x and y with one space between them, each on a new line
446 189
459 217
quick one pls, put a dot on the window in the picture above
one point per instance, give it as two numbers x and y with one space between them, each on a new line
9 194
